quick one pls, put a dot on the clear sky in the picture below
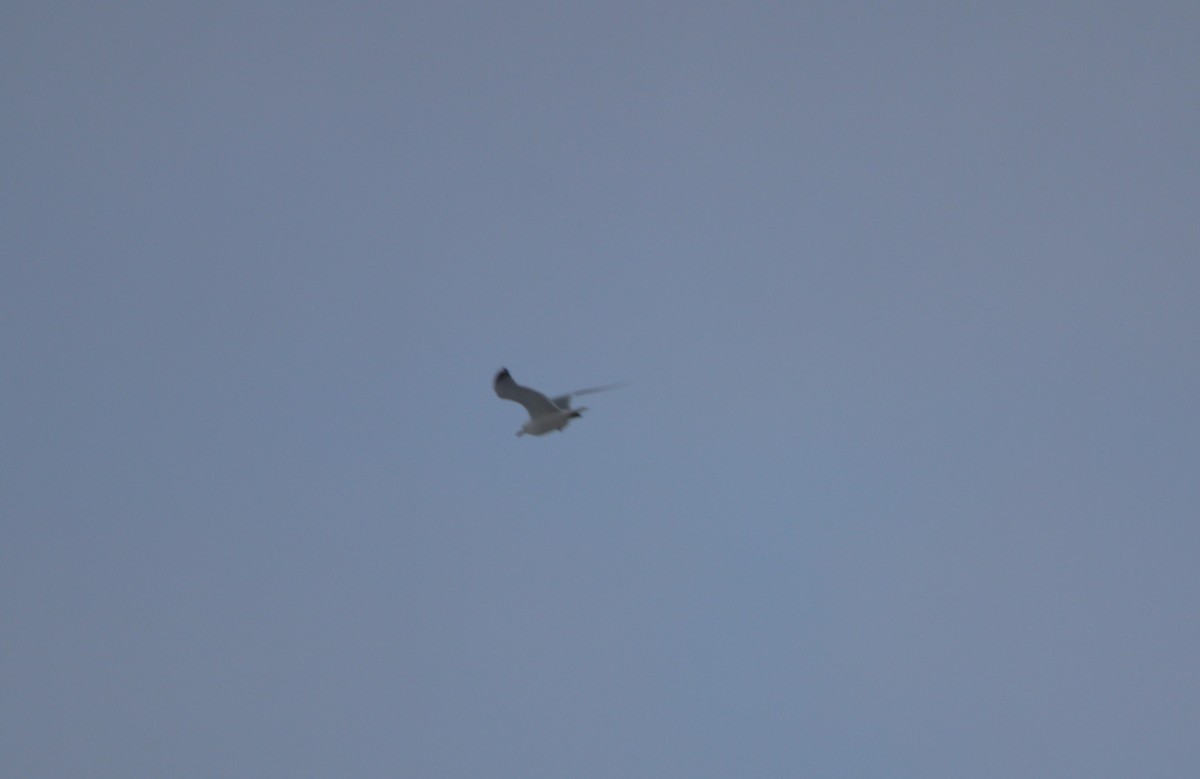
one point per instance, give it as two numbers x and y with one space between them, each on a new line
904 484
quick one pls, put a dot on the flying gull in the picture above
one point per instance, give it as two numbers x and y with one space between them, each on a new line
545 414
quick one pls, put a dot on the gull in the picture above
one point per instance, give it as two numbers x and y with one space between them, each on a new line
545 414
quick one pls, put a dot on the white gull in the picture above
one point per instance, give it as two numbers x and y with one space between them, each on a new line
545 414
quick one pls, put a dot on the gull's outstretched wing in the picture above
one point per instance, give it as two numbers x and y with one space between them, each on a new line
564 401
534 402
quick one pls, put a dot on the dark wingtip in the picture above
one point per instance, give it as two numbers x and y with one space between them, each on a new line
503 374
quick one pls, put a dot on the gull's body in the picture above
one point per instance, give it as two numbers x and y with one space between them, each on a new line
545 414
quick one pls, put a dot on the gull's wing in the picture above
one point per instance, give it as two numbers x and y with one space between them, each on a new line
534 402
564 401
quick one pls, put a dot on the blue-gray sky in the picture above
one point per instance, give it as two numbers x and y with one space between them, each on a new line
904 484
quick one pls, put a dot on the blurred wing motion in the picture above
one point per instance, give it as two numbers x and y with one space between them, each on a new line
534 402
564 401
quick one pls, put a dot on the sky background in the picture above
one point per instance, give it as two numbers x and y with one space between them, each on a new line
904 483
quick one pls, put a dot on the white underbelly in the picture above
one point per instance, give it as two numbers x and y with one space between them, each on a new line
548 423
